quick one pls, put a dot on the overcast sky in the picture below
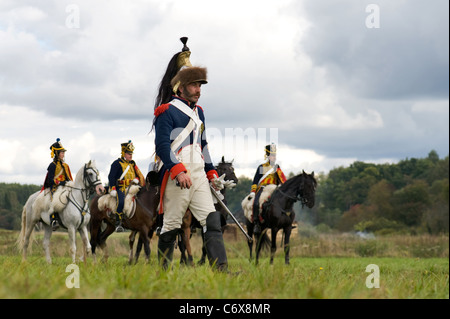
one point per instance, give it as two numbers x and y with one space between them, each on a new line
329 82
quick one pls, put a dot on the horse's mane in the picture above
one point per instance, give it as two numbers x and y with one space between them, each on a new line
294 180
290 182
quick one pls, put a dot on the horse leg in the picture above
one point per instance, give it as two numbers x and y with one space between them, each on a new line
250 234
72 242
95 226
102 240
86 244
258 246
131 240
287 236
182 247
143 238
203 258
273 247
187 241
46 242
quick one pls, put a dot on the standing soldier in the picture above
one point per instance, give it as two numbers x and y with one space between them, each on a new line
123 172
267 173
58 173
180 142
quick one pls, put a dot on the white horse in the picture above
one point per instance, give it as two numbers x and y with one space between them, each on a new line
74 213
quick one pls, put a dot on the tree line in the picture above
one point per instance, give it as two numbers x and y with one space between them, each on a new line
411 196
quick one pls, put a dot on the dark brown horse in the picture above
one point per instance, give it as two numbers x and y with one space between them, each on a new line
190 223
278 212
142 223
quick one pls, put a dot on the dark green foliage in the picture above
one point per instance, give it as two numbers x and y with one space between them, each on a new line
411 196
12 199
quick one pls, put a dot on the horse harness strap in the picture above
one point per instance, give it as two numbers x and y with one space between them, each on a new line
82 209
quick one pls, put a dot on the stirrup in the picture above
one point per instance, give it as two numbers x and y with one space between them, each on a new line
55 225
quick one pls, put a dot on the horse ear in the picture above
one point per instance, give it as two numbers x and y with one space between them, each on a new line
90 161
232 161
303 172
312 174
223 159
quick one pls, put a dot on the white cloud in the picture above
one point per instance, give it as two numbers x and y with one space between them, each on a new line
333 90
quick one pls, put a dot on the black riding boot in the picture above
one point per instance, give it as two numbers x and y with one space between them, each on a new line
256 221
215 247
118 223
54 222
166 244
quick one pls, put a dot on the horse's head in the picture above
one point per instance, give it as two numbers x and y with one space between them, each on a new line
91 177
307 189
227 169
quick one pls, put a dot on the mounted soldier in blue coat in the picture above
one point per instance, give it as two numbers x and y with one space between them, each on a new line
122 174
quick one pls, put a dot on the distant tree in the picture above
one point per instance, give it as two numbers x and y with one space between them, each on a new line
411 203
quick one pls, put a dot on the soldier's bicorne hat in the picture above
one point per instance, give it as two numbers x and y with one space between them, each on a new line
179 72
56 148
127 147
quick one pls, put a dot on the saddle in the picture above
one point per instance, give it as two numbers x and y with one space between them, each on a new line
108 202
60 198
56 202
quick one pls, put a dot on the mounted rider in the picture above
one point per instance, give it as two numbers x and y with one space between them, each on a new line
267 173
58 173
187 170
122 174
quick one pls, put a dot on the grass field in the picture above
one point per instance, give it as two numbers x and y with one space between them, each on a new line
328 267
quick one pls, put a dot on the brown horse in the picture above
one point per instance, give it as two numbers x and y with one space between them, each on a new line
278 212
143 222
190 224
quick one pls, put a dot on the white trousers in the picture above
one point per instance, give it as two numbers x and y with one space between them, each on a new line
198 198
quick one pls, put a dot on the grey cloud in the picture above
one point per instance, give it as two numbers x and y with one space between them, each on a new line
406 57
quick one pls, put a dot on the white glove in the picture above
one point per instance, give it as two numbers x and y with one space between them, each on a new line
229 184
219 183
251 196
135 181
113 193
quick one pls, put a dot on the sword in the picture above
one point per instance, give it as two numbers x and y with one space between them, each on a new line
250 240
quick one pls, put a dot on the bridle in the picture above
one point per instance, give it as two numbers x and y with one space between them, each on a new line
86 191
297 197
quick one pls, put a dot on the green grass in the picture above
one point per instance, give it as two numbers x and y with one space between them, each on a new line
338 274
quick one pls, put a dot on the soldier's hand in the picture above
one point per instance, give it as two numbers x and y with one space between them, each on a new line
184 180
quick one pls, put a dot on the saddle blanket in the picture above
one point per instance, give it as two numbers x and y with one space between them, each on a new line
45 201
247 204
108 202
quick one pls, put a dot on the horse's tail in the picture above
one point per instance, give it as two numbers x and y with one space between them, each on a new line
21 240
265 242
